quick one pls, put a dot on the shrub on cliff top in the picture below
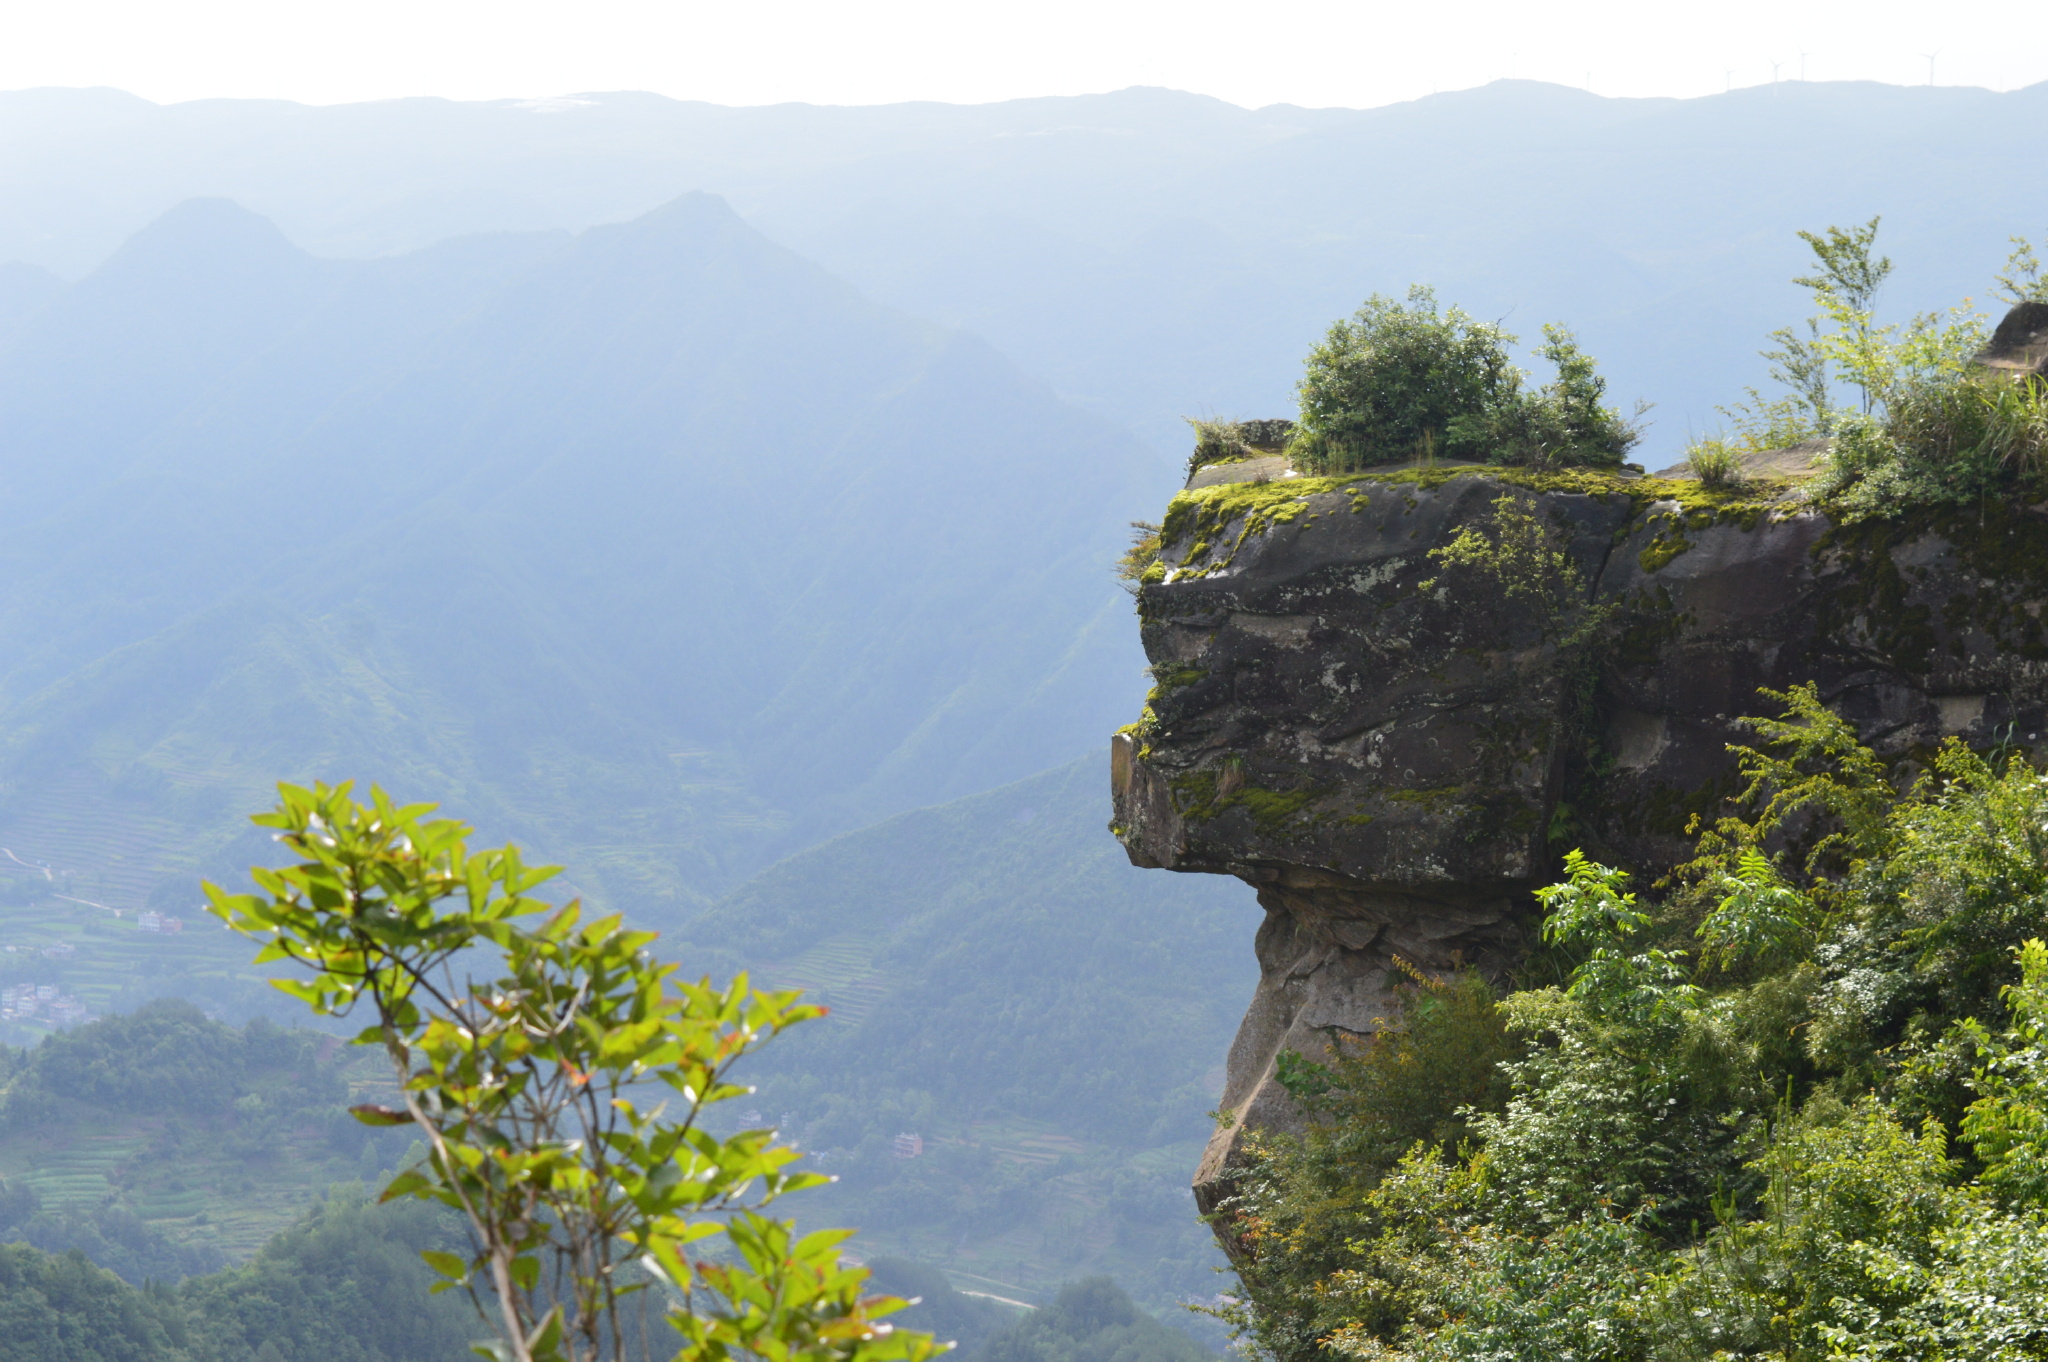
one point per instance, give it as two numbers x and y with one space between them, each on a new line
1410 381
1216 442
1400 381
1929 426
1219 441
1716 462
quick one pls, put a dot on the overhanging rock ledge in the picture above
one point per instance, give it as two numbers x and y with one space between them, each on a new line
1395 768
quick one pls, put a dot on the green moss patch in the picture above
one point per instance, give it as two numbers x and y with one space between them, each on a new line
1217 521
2003 548
1200 795
1661 550
1273 809
1168 678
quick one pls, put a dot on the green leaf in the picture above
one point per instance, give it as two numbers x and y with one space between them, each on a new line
447 1264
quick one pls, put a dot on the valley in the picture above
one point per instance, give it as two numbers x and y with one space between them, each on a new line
728 505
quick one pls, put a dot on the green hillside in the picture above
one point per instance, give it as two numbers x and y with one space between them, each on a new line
1004 986
666 555
162 1143
59 931
344 1283
1047 1020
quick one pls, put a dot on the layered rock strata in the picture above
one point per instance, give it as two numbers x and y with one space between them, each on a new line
1395 750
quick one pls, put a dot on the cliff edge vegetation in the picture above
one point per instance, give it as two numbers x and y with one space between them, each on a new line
1791 1105
1939 410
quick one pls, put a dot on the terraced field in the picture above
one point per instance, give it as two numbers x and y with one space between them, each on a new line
193 1185
75 1175
94 843
1034 1146
839 974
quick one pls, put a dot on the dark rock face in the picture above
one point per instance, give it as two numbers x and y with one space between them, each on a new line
1396 755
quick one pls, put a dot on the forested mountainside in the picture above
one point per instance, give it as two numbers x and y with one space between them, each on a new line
1151 253
345 1284
655 548
1046 1020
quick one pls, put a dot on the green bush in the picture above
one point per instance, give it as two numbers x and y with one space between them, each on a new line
1950 438
1138 559
1929 427
1419 1081
1563 424
1400 382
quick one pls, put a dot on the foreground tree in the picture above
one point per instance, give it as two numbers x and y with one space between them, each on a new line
529 1047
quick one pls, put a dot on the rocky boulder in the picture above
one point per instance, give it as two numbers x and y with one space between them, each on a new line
2020 344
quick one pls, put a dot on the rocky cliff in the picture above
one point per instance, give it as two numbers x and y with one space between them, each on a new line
1395 745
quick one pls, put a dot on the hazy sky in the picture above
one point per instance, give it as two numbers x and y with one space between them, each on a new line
1314 52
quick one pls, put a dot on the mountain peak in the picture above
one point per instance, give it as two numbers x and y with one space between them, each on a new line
203 233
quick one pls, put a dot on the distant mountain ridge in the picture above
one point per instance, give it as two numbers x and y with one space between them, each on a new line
655 547
1151 253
